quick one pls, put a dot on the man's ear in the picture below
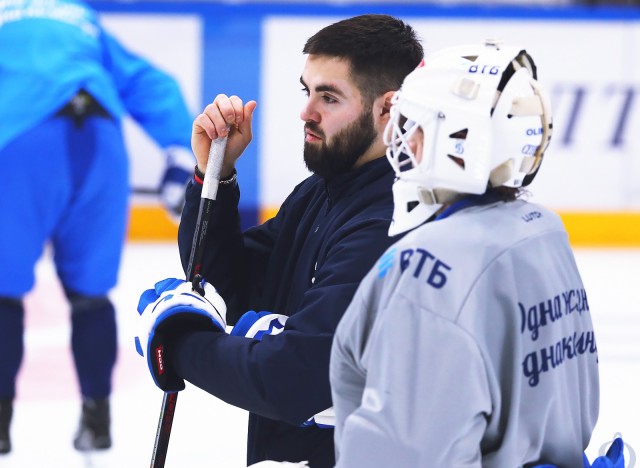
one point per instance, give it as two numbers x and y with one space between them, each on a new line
386 105
383 107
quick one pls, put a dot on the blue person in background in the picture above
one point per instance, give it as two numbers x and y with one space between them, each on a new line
65 85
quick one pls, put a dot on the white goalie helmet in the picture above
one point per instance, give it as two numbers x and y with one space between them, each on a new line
486 122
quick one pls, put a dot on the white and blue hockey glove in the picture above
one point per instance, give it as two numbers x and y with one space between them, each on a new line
167 311
255 325
614 458
180 165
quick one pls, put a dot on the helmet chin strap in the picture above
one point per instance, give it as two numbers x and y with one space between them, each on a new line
409 211
437 196
501 174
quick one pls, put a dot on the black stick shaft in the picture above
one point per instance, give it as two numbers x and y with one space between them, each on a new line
209 192
163 432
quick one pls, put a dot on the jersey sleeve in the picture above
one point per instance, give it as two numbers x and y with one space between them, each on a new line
150 96
411 391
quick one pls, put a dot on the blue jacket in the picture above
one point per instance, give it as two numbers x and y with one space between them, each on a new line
305 263
50 49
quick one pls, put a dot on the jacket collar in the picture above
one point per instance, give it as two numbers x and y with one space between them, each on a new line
348 183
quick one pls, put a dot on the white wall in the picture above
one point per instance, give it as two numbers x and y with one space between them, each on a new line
173 43
588 173
584 170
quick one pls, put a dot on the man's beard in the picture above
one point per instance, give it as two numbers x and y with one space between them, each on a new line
338 157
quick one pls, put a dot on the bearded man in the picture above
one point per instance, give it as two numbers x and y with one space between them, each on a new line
303 266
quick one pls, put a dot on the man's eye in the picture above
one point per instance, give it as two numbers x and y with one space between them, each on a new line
329 99
305 91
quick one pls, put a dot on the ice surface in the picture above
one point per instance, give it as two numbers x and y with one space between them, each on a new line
209 433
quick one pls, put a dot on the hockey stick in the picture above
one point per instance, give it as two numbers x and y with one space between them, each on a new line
209 192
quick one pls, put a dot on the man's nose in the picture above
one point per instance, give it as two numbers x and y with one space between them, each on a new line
308 113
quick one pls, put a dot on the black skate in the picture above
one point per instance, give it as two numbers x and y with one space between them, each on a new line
93 433
6 411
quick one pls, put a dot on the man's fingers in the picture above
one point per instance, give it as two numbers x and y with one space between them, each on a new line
204 124
245 126
225 112
238 116
248 109
216 112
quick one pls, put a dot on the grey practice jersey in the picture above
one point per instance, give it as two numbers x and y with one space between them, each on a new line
469 344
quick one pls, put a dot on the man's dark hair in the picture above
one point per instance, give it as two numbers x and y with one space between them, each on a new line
382 51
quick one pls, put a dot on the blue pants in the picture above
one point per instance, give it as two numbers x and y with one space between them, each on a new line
67 185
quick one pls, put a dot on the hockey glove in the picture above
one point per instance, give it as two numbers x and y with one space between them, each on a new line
614 458
168 311
179 171
255 325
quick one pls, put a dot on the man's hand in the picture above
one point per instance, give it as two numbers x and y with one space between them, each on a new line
169 310
225 116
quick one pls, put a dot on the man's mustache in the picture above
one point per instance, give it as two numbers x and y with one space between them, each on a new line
314 128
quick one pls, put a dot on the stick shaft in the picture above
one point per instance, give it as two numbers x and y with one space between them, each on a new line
161 443
209 192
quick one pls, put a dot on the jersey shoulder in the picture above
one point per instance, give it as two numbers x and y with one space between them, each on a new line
438 264
496 227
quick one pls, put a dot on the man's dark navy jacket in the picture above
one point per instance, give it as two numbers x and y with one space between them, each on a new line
305 263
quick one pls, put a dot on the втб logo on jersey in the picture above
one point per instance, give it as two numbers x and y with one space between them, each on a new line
386 262
435 270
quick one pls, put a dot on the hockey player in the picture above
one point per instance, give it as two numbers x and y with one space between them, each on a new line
470 343
65 84
304 264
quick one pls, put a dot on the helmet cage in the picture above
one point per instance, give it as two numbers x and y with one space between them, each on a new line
486 122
